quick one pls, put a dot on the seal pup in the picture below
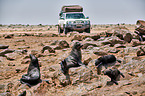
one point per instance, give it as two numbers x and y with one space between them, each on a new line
114 75
106 61
33 74
73 60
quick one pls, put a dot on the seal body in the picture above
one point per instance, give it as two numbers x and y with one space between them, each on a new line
33 74
74 58
114 75
106 61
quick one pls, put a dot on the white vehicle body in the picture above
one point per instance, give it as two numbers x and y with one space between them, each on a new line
73 21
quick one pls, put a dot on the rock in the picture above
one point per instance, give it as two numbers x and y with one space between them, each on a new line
62 44
100 53
141 51
88 39
135 42
34 52
25 61
20 40
112 41
23 47
50 49
139 74
11 64
3 46
41 88
86 61
93 86
131 73
80 74
77 37
130 50
54 42
113 50
5 94
9 87
119 46
5 51
2 87
128 37
88 44
22 94
95 37
8 36
18 70
11 56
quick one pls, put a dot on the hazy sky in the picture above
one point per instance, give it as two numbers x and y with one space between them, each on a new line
46 11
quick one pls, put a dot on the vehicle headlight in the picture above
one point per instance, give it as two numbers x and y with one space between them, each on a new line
87 22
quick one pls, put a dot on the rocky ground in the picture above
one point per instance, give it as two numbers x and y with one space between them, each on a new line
18 41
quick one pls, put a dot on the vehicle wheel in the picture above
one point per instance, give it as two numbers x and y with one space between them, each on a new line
65 30
88 30
60 30
140 38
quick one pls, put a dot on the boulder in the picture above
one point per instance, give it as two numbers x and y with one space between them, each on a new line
5 51
3 46
50 49
77 37
100 53
8 36
61 45
85 45
86 61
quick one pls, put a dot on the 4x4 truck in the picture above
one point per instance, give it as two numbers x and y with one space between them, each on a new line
71 18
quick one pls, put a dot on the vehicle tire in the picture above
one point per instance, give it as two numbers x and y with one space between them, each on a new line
65 30
140 38
88 30
60 30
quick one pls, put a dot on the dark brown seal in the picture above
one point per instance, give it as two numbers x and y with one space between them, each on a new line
114 75
33 74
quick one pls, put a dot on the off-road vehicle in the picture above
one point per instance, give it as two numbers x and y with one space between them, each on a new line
71 18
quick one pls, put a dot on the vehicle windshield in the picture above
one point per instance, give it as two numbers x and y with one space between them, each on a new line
75 16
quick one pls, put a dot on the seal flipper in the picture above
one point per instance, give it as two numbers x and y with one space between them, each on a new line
122 75
114 81
25 83
99 68
64 68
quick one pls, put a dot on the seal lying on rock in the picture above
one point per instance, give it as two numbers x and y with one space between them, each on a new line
33 74
114 75
107 60
74 59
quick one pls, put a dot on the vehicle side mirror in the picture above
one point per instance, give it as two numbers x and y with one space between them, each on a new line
87 17
62 18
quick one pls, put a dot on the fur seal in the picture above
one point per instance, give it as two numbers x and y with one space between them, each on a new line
73 60
114 75
107 60
33 74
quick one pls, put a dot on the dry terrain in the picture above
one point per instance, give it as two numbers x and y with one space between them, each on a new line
85 81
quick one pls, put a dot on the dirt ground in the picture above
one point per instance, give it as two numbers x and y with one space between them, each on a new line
8 72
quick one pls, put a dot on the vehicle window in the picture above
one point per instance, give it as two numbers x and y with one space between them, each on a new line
75 16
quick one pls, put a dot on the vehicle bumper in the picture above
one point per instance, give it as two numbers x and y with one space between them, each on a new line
77 27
